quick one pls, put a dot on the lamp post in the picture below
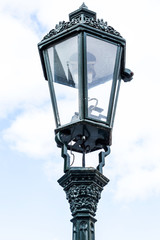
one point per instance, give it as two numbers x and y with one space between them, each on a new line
83 61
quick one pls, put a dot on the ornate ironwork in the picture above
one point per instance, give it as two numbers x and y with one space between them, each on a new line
83 187
98 24
82 18
83 197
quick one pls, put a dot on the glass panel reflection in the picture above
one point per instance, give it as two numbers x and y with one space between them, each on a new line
101 57
63 58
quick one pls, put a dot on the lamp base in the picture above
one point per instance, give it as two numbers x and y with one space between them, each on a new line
84 135
83 187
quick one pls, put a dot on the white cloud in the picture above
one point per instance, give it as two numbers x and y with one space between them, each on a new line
138 183
135 153
39 13
22 81
32 133
54 169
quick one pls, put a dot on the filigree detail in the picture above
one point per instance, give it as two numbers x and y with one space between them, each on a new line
83 187
83 197
62 26
98 24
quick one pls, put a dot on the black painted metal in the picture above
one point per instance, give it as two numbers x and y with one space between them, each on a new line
83 187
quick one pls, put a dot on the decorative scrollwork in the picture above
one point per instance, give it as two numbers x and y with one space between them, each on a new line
98 24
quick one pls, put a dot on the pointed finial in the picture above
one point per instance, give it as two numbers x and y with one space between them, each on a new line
83 5
82 12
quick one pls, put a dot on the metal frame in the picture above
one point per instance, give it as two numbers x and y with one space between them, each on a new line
111 106
81 28
82 76
114 84
51 89
82 72
82 25
105 128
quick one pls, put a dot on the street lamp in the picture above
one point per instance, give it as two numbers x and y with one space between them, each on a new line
83 61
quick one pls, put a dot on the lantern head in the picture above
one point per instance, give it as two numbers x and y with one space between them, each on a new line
83 61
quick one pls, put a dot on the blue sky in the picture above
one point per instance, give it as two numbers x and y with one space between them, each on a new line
32 204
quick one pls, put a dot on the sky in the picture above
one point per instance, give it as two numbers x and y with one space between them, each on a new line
32 204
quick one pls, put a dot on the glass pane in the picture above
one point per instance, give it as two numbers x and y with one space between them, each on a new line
63 59
101 57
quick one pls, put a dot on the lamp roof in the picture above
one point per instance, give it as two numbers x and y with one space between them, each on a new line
82 16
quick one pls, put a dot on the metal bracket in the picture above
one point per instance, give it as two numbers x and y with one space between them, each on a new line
66 156
64 153
102 156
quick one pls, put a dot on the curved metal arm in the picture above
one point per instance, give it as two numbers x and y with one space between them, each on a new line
64 153
102 156
66 158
